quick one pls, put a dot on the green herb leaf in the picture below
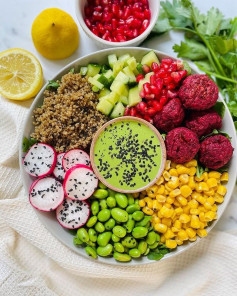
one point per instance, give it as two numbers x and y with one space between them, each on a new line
52 85
163 136
27 143
163 24
155 256
234 28
222 45
214 18
233 108
205 64
220 109
200 170
216 132
72 71
191 49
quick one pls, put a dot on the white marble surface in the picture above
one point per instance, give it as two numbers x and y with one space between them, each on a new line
16 17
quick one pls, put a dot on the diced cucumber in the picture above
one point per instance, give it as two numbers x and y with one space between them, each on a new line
118 110
124 58
93 69
109 74
132 63
122 78
95 88
139 68
117 68
104 68
118 87
104 107
113 98
133 97
125 91
129 73
112 59
146 79
149 58
123 100
103 92
83 71
97 76
96 83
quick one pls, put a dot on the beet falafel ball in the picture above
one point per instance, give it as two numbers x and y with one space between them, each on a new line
171 116
181 144
215 152
198 92
203 122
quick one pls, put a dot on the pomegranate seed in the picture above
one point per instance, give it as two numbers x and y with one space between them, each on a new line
114 23
136 23
145 25
171 86
97 2
148 118
146 88
159 83
142 107
95 31
109 39
167 61
137 7
154 89
172 94
127 111
179 65
120 13
155 67
133 111
146 69
127 12
172 68
129 20
176 77
183 73
139 77
164 92
108 27
104 2
107 16
167 80
115 9
121 22
106 35
149 96
147 14
88 11
97 15
142 94
135 33
153 80
144 2
163 100
121 38
98 8
161 73
151 111
165 67
101 28
88 23
156 105
139 15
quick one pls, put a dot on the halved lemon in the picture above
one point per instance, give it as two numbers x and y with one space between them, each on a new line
21 75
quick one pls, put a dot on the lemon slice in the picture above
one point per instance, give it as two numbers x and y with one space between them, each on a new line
21 75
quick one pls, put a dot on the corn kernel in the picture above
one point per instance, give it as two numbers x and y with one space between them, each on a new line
184 218
166 176
218 198
166 221
174 229
195 223
160 181
221 190
166 212
211 200
205 176
202 232
178 241
202 216
173 172
191 183
177 204
198 179
224 177
182 170
207 205
186 209
170 200
191 163
210 192
193 239
190 232
201 199
209 216
147 199
161 189
185 190
182 235
214 208
214 174
211 182
160 198
177 224
171 244
161 228
178 211
192 171
173 164
184 178
194 211
202 225
169 234
195 194
150 204
156 205
204 186
167 164
162 238
182 200
156 219
142 203
193 204
175 192
147 211
173 182
167 205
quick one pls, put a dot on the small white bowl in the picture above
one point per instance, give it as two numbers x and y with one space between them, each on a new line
154 6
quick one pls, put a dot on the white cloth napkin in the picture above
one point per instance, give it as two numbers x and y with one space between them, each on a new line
33 262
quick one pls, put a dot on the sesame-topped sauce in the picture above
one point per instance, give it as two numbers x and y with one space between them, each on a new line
128 154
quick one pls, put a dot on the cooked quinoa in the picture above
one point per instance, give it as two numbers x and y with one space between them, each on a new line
68 118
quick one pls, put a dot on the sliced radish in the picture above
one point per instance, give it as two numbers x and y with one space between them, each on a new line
40 160
73 214
74 157
59 171
46 194
80 182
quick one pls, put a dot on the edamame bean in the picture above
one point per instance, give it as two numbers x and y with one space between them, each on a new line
110 224
111 202
122 257
102 186
129 225
130 199
90 243
104 238
100 193
142 246
99 227
139 232
82 234
147 251
119 215
92 235
105 251
77 241
95 207
119 231
91 252
151 238
121 200
157 237
138 215
104 215
119 247
91 222
134 253
111 192
144 221
136 201
129 242
153 246
132 208
103 204
115 238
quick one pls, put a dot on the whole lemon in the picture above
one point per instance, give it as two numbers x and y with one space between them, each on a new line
55 34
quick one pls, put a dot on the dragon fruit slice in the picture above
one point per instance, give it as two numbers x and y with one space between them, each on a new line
40 160
80 182
74 157
73 214
46 194
59 171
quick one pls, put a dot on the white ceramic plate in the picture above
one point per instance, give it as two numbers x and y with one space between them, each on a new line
49 220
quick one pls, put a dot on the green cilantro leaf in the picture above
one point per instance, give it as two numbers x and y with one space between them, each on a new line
52 85
155 256
27 143
220 109
191 49
216 132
